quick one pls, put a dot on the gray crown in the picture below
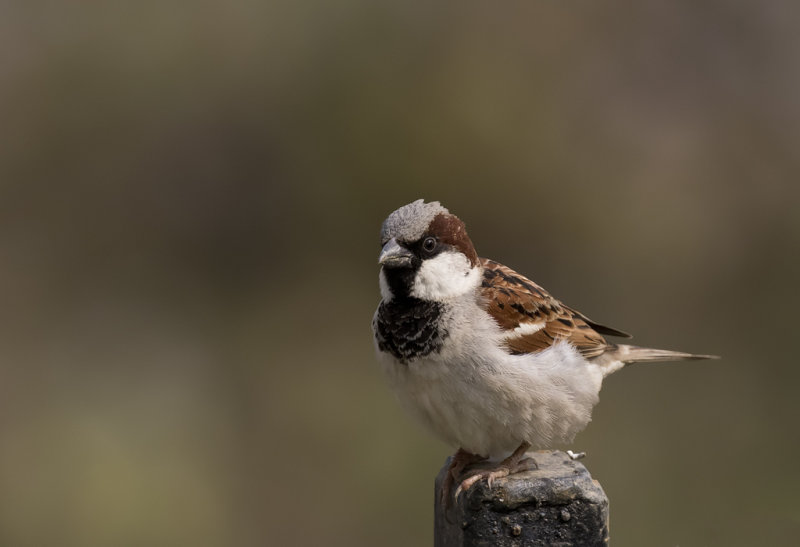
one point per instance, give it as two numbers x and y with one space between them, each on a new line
410 222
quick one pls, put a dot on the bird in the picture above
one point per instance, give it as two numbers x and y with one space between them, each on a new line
486 359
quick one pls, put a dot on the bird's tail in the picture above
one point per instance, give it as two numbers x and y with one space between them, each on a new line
619 355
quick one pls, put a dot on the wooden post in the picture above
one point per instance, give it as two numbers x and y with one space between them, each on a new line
556 505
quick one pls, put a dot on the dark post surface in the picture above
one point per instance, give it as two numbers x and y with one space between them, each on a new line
556 505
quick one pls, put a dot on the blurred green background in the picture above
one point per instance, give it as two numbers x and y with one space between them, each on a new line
190 199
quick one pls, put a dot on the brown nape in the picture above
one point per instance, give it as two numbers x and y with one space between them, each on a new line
450 230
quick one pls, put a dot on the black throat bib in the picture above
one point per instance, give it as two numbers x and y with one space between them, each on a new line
409 328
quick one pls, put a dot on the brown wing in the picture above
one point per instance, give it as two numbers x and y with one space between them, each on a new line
533 319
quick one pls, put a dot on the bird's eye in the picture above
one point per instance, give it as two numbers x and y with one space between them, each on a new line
429 244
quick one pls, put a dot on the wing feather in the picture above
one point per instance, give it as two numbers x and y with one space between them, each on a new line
534 320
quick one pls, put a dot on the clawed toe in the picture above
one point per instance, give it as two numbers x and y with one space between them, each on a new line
467 483
513 464
460 460
492 475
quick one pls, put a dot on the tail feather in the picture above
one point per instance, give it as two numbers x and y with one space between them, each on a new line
620 355
636 354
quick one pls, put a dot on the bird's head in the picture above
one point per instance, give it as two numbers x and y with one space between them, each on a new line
426 254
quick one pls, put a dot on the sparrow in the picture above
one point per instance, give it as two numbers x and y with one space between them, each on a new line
482 356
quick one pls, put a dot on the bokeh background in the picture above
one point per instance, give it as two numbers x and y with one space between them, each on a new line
190 197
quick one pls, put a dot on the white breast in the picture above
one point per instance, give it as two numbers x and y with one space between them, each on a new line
476 396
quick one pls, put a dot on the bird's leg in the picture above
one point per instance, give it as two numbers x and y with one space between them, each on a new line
515 463
459 461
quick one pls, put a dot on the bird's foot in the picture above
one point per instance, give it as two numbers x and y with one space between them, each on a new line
575 455
461 459
515 463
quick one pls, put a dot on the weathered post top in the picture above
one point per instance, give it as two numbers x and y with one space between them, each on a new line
557 504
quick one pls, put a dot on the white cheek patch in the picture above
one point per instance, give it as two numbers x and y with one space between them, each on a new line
444 276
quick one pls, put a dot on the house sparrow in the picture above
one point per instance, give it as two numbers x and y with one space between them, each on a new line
481 355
